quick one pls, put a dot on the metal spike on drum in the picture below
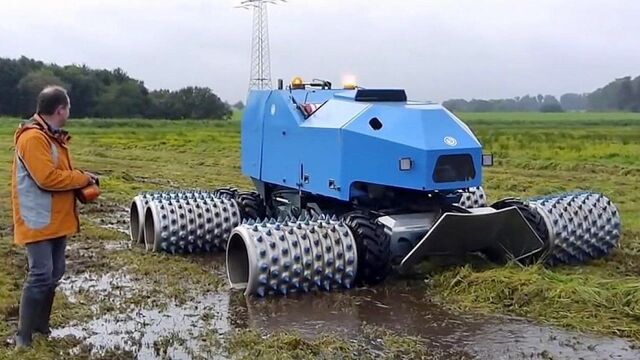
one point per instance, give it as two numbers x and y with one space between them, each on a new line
582 226
281 258
229 218
475 197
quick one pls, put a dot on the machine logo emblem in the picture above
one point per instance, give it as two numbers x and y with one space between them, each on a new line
451 141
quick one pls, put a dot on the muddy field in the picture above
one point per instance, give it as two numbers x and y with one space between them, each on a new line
119 302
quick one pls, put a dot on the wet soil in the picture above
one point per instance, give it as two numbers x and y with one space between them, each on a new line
173 330
109 215
411 312
197 327
177 330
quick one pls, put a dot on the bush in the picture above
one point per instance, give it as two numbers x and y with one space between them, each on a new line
551 108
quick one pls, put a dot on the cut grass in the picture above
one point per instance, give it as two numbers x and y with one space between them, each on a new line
251 344
583 300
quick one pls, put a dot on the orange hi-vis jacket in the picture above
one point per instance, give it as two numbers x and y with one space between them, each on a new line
44 184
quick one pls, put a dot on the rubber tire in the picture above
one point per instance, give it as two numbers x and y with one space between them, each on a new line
251 205
373 246
228 192
535 220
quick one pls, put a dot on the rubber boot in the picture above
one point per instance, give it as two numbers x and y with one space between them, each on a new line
42 325
31 305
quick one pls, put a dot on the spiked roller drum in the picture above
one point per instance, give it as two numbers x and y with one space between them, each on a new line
475 197
272 257
136 212
186 222
575 227
581 226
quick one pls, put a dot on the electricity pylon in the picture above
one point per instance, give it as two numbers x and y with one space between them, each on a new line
260 76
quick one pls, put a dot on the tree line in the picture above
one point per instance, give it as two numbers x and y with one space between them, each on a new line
102 93
622 94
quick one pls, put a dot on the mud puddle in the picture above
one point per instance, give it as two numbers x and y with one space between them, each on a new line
407 311
177 331
150 333
196 328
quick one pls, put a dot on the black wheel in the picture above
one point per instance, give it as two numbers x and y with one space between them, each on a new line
373 246
251 205
228 192
535 220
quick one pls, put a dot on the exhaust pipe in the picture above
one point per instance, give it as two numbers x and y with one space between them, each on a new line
270 257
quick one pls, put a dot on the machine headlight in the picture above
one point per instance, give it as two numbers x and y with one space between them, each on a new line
406 164
487 159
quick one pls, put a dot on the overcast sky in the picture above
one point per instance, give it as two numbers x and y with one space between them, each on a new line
434 49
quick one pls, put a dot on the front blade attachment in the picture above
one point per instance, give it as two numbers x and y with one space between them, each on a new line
504 234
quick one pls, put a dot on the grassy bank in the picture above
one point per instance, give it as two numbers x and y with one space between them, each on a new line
535 154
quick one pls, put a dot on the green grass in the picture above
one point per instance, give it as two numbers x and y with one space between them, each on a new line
585 299
571 119
535 154
251 344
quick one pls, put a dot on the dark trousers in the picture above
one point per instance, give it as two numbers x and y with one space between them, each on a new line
47 265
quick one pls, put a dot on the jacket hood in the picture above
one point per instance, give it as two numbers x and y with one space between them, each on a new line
37 122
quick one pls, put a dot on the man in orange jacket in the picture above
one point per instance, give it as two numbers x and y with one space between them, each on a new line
44 185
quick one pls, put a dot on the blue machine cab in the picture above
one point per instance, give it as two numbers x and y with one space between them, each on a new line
342 143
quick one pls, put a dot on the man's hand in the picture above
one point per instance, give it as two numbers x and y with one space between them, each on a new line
94 177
